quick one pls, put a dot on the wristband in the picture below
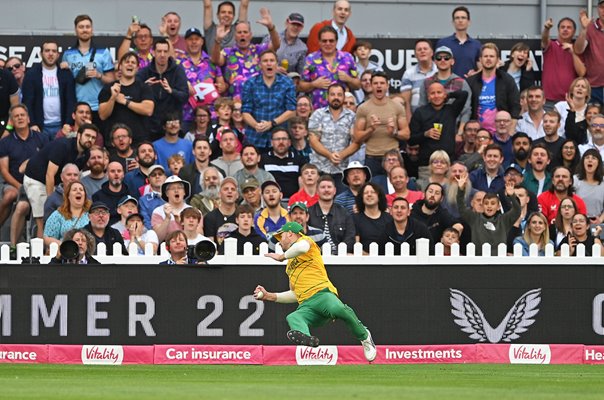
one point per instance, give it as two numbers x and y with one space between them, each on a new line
127 38
271 29
127 103
273 123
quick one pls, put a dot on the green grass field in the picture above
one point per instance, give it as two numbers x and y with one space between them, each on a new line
472 381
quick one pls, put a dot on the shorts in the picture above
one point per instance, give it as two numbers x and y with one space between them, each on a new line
36 193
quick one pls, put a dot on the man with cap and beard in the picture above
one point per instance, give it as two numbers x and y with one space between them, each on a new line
98 227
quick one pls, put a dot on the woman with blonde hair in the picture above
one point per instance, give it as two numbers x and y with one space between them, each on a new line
439 170
536 231
72 214
575 105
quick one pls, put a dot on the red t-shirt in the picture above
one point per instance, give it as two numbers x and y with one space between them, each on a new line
558 71
302 196
412 197
549 203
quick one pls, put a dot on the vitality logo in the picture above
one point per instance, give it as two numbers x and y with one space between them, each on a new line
471 319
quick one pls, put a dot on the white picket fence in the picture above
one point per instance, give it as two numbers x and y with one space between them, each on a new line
423 257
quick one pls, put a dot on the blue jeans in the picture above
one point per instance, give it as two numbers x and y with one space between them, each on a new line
51 130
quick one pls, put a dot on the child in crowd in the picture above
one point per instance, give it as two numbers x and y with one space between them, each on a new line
224 107
490 226
176 162
244 216
450 236
139 235
190 221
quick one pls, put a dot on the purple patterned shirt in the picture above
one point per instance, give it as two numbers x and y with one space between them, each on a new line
239 67
201 77
316 66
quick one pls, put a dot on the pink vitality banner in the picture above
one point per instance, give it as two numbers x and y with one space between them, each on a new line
299 355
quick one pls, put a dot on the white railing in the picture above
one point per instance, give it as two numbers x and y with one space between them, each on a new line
422 256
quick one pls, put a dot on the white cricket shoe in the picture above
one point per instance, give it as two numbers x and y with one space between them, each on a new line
369 347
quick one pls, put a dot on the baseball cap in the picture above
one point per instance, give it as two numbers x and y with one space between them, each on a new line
515 166
193 31
269 183
229 179
444 49
98 204
290 226
300 205
154 167
126 199
129 217
296 18
250 183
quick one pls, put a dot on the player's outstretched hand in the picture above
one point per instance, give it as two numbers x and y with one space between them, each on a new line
275 256
260 293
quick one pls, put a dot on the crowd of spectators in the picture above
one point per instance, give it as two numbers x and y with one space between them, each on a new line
210 135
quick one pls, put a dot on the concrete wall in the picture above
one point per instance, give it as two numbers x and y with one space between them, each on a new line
382 18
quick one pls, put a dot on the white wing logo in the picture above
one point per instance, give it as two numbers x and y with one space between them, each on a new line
471 318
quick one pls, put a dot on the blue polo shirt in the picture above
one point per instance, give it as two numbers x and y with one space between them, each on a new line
18 150
466 54
89 92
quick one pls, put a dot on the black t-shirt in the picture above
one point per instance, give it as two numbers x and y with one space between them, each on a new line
135 92
8 87
61 152
372 230
214 221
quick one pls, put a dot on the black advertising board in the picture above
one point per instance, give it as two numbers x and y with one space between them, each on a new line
446 304
394 55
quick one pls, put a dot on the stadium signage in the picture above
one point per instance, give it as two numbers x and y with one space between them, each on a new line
530 354
393 55
102 355
322 355
402 304
472 320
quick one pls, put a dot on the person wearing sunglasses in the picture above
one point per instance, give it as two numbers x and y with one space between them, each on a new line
16 67
444 61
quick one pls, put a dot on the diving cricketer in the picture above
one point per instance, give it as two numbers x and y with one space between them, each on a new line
317 298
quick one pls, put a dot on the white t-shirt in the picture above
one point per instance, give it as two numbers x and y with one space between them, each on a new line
52 99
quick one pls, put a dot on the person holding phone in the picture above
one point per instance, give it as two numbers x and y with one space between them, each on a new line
580 233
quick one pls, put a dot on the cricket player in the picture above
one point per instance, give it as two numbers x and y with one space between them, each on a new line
311 288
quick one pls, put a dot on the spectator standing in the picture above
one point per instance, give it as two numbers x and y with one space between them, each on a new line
292 51
226 16
381 123
493 90
49 92
128 100
168 83
561 64
242 60
345 38
414 77
92 67
589 44
139 40
269 101
466 49
327 66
